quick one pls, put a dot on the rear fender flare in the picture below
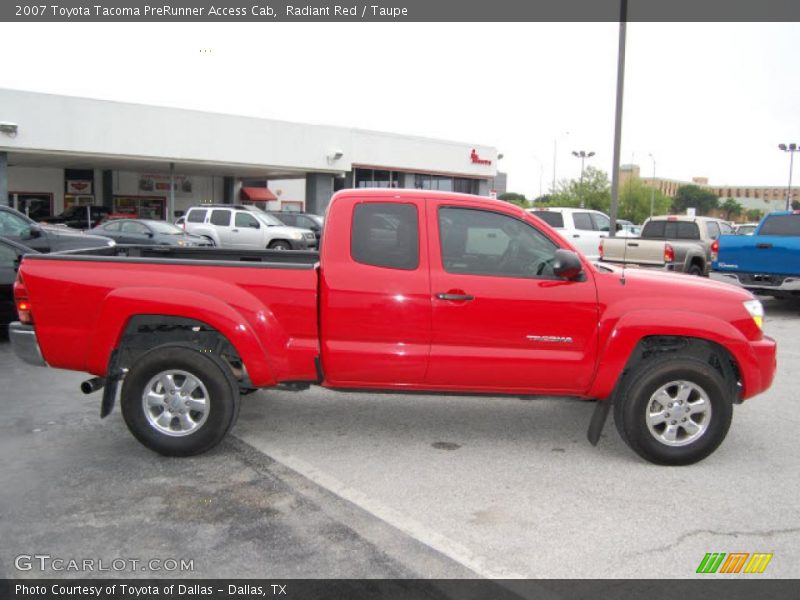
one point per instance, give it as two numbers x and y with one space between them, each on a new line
123 304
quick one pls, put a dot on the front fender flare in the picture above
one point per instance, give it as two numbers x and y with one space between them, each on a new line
623 336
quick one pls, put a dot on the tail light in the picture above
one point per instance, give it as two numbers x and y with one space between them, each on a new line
22 302
669 253
600 249
714 250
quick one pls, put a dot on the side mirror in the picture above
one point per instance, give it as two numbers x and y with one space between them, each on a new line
150 234
567 265
34 231
619 227
255 225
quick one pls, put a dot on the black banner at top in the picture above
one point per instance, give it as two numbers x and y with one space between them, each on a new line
398 11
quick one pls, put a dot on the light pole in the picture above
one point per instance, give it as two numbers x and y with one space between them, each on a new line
583 155
541 174
791 149
555 158
653 186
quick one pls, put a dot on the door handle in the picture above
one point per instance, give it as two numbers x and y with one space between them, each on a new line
455 297
633 245
576 235
235 230
764 246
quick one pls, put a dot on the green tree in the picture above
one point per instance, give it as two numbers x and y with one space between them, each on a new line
795 204
731 208
594 191
514 198
693 196
635 198
753 214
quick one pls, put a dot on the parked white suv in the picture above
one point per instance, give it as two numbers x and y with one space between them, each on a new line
246 228
582 227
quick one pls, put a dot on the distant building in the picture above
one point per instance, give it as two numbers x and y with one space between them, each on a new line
761 197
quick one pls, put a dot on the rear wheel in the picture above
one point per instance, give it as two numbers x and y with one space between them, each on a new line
178 401
279 245
695 269
674 410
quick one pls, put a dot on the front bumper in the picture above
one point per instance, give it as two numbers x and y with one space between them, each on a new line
304 244
25 345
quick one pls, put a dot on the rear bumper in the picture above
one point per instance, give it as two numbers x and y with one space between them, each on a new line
756 281
25 345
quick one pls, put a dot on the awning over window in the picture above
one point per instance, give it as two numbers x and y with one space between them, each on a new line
254 194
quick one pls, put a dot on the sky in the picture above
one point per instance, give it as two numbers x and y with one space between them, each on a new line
711 100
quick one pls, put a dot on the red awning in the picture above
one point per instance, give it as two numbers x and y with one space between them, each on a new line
254 194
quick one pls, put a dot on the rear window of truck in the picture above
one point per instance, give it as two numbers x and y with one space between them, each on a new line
671 230
385 234
554 219
788 225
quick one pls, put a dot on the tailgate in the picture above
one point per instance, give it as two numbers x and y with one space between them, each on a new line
768 254
634 250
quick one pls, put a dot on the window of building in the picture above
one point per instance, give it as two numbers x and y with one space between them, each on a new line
385 235
480 242
221 218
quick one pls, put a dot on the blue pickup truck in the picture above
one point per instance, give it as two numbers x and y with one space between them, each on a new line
767 262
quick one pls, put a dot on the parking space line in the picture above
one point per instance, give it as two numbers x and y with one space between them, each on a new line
436 541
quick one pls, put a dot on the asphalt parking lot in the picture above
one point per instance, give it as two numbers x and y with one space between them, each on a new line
329 484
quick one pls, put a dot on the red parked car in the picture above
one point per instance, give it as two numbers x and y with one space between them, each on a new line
412 290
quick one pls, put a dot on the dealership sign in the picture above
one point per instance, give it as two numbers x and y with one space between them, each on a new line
477 160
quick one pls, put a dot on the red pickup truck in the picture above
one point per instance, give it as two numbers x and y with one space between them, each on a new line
412 290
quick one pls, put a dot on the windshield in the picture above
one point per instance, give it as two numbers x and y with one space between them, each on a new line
167 228
266 218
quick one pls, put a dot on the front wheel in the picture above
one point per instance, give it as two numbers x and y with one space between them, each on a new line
279 245
674 410
178 401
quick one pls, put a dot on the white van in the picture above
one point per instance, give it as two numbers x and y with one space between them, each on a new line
246 228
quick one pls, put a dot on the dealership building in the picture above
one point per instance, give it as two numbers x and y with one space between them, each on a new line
60 151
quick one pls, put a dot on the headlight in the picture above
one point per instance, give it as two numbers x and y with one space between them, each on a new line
297 236
183 243
756 310
112 243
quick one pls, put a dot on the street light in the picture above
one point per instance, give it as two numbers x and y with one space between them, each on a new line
555 157
791 149
583 155
653 186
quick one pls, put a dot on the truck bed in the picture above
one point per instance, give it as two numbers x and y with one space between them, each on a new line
82 300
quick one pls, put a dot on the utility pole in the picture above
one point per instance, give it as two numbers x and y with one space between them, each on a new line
623 17
653 186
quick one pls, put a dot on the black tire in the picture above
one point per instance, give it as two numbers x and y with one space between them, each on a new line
279 245
220 395
636 398
695 269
